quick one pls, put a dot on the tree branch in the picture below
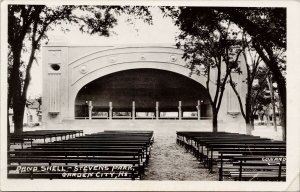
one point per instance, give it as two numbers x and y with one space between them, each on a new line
31 59
253 29
218 81
207 84
238 96
228 71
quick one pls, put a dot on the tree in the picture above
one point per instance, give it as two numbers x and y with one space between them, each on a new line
28 24
260 93
270 85
207 48
251 61
253 64
266 26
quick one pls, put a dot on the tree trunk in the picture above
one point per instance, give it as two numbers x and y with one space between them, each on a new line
8 125
281 83
8 130
279 113
18 109
283 125
267 114
18 102
270 83
215 120
274 116
8 105
8 122
249 127
282 120
282 93
262 118
252 122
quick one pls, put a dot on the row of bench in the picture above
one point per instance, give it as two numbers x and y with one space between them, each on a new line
30 136
238 156
103 155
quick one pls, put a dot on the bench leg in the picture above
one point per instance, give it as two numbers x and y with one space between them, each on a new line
31 175
201 154
211 161
240 171
221 169
279 171
220 174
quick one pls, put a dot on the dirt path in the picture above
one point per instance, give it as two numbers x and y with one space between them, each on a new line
169 161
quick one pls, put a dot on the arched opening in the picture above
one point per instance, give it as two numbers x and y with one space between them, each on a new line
143 94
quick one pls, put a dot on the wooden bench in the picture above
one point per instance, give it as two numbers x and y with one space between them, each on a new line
190 142
202 143
120 167
110 157
143 146
140 149
21 141
230 157
211 147
252 147
196 144
41 134
99 149
256 168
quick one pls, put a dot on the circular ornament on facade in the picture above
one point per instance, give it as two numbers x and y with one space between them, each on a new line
173 58
55 67
143 58
112 60
83 69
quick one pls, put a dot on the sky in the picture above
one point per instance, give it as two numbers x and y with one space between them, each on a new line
162 31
